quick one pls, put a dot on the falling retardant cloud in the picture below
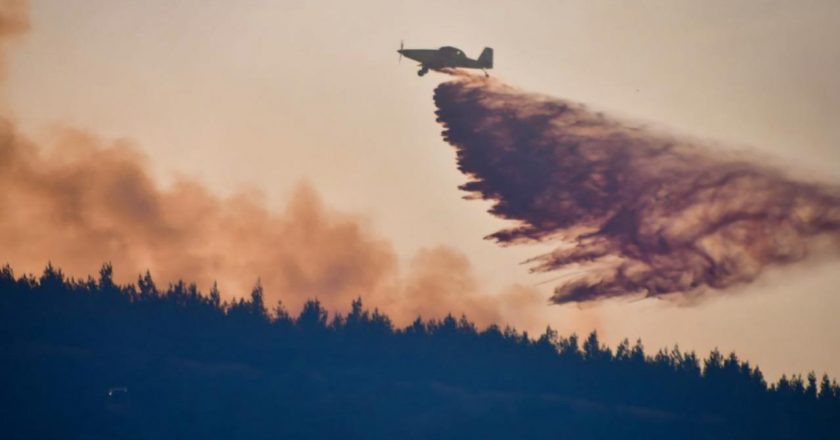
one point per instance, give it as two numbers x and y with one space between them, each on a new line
81 201
643 212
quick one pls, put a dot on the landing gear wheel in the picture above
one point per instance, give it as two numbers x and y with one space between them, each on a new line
423 71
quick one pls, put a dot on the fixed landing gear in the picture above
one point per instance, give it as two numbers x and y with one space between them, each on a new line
423 71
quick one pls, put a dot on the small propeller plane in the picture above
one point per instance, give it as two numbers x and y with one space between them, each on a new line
447 57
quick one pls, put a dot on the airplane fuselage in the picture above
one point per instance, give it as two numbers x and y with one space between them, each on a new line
434 59
447 57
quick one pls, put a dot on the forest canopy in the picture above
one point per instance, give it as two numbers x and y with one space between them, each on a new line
89 357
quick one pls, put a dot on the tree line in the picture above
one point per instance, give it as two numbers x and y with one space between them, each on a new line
88 358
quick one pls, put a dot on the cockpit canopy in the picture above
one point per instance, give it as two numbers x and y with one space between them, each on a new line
449 50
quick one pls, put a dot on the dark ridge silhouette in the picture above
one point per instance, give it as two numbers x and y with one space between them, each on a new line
93 359
645 212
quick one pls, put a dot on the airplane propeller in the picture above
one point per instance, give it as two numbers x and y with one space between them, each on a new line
401 48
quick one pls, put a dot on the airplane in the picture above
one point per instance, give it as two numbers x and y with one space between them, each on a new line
447 57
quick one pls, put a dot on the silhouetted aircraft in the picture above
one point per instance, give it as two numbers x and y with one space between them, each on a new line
447 56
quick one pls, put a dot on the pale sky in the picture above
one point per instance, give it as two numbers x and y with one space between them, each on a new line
262 94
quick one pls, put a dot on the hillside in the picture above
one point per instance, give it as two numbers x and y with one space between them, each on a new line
92 359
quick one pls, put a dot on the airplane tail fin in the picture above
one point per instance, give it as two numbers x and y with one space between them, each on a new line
486 58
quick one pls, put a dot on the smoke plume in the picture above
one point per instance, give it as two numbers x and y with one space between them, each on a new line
81 201
643 212
14 21
14 18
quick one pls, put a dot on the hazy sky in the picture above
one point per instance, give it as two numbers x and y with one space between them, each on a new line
264 94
